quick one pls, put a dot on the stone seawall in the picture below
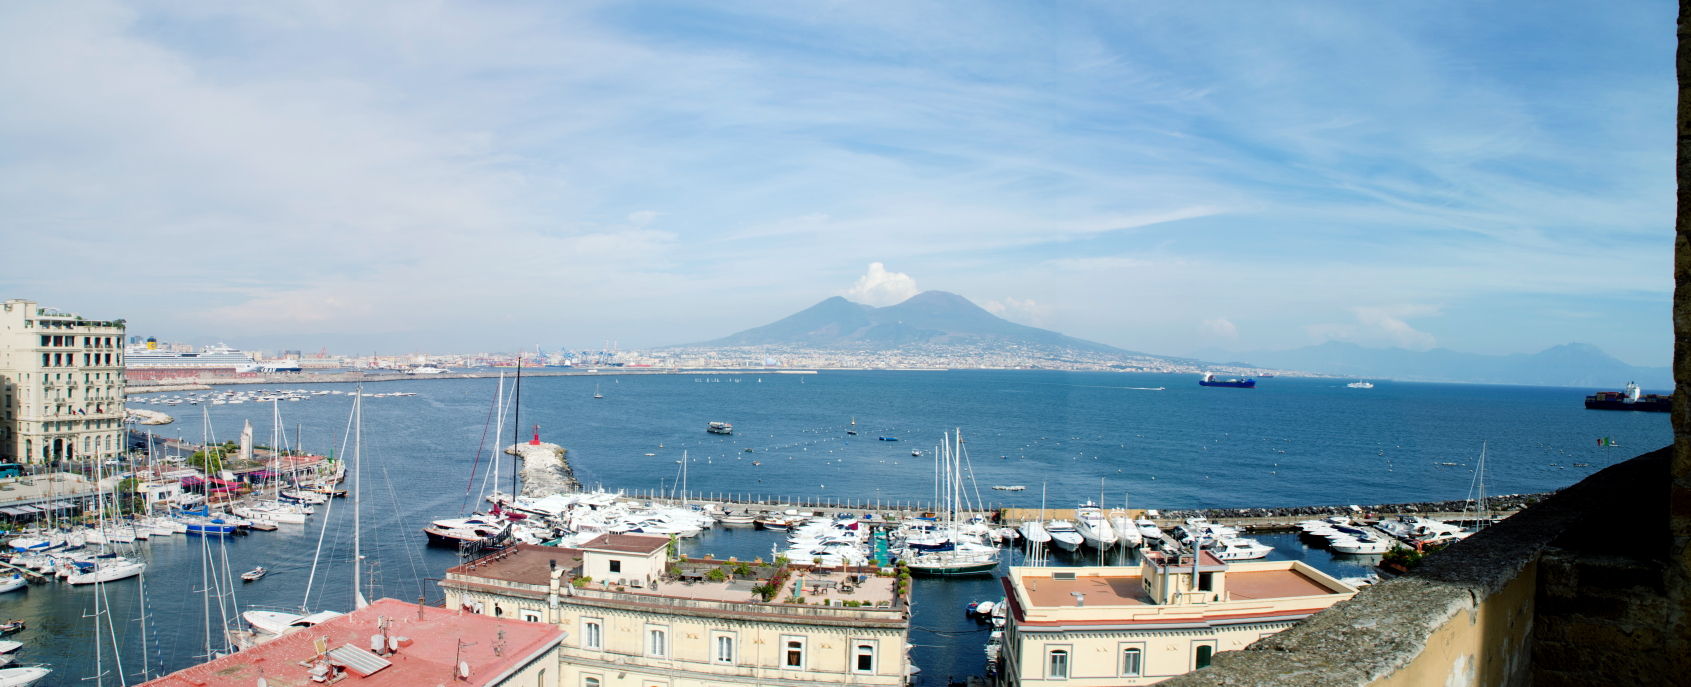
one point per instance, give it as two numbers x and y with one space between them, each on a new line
545 471
151 417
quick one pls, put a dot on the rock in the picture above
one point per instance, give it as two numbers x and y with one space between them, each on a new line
545 472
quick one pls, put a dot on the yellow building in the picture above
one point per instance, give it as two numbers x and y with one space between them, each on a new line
61 383
1086 627
639 624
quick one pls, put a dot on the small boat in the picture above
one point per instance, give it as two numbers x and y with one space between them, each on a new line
8 646
11 626
887 438
13 583
596 393
852 432
916 452
720 428
23 677
1360 385
983 608
254 574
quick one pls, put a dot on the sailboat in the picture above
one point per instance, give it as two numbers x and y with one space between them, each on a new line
596 393
270 622
950 551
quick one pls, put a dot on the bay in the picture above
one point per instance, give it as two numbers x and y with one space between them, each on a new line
1289 442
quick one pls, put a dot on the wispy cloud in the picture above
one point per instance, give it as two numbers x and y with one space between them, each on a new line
672 171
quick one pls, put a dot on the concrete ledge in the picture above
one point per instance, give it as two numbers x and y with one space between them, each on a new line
1402 631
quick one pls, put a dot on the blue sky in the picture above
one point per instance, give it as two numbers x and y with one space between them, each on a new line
1164 178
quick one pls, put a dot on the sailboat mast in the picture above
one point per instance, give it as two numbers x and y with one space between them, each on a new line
357 496
516 426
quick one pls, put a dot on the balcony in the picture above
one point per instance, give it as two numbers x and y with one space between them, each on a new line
1572 591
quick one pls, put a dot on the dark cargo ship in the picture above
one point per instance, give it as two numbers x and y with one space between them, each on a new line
1210 380
1630 399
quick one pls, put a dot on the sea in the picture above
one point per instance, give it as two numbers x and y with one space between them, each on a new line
1147 440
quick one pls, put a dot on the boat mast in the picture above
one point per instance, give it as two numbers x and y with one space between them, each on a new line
358 601
516 426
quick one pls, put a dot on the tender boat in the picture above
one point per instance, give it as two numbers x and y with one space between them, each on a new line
254 574
10 584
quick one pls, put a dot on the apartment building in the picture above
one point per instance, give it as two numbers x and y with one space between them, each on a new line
640 624
61 385
1125 625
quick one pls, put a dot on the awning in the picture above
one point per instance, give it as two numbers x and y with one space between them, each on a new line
31 509
260 474
192 481
215 480
13 511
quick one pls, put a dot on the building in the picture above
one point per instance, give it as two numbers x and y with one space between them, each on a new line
645 621
420 645
1086 627
61 383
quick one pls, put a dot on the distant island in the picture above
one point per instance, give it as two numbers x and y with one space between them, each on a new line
1573 364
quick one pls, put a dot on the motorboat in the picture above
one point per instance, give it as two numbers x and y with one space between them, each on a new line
281 622
10 584
8 646
26 676
1126 531
1063 533
1149 530
1360 546
254 575
1034 531
1233 549
1094 528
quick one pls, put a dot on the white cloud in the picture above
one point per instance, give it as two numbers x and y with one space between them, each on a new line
881 288
1022 311
1381 325
1219 329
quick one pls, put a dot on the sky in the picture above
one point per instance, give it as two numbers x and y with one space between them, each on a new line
1162 177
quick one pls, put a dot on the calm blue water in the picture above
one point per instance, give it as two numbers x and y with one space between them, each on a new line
1288 442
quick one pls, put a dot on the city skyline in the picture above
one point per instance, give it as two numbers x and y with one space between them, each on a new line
1166 180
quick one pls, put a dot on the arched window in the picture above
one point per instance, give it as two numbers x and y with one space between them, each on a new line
724 649
1057 667
657 642
589 681
1204 654
794 656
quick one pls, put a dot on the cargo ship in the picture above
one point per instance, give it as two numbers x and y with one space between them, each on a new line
1210 380
1631 399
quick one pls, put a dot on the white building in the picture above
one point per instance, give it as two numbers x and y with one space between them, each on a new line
61 385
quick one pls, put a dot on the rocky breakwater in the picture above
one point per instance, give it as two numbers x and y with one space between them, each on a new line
150 417
545 471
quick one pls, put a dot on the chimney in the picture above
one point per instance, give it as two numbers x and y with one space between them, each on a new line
1079 599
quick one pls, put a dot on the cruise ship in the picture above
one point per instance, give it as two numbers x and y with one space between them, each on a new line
219 358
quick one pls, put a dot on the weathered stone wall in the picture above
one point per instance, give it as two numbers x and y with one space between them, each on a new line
1678 563
1474 614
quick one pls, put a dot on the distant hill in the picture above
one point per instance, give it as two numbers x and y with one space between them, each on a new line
933 317
1574 364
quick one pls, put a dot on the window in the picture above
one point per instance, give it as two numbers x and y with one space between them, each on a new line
1204 653
530 616
724 650
592 633
657 642
616 566
792 654
1206 582
863 658
589 681
1057 666
542 681
1130 662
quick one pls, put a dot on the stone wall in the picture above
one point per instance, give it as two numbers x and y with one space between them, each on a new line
1555 595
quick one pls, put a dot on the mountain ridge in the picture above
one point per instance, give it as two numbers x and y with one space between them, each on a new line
1571 364
929 317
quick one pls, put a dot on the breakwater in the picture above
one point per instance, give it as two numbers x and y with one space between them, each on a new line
545 471
139 386
1507 502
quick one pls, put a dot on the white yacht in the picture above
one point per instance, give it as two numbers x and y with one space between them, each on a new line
279 622
1094 528
1126 531
1063 532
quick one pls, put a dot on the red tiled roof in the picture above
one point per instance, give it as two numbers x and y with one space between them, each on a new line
626 543
427 660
